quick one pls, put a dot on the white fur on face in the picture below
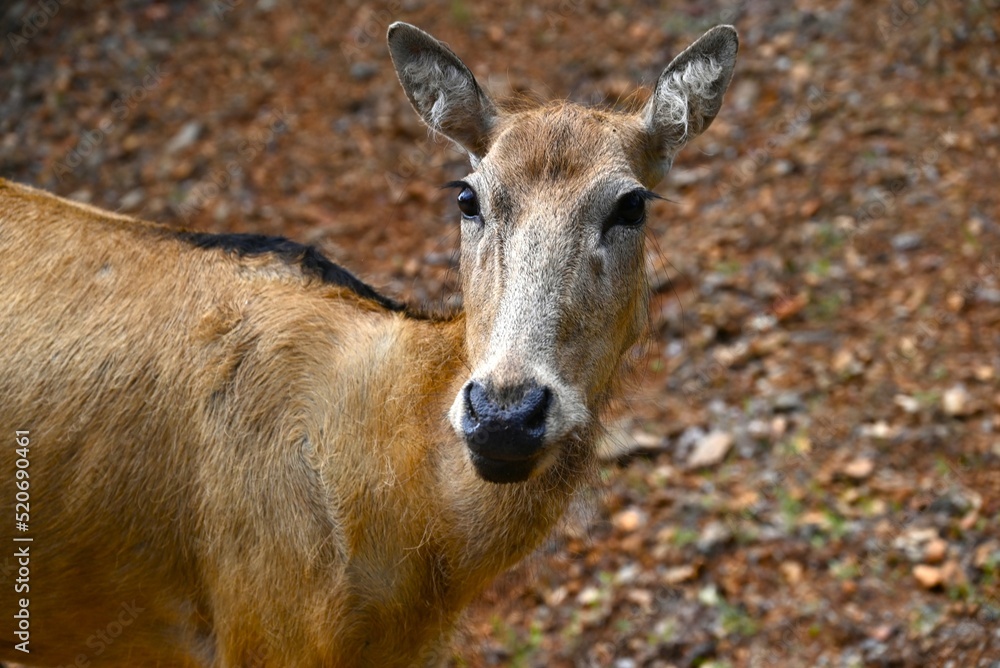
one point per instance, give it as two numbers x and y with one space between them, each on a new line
532 278
554 292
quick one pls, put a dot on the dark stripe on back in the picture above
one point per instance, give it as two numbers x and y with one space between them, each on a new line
307 258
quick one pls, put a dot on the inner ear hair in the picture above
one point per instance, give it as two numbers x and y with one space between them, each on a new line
442 90
689 92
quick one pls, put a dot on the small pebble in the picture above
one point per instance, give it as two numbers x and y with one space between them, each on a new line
679 574
935 551
711 449
629 520
860 468
956 401
906 241
928 576
792 571
185 137
907 403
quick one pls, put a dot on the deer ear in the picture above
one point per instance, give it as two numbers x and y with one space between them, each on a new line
688 94
441 89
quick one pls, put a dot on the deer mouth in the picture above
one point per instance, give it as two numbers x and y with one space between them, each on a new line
502 472
504 428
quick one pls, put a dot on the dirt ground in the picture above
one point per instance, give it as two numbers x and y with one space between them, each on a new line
806 471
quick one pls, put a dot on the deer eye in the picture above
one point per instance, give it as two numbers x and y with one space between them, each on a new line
468 203
631 209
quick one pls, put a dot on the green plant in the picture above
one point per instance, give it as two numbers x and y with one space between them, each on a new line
736 620
845 569
521 649
460 11
684 536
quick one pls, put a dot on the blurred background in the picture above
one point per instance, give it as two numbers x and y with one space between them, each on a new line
806 471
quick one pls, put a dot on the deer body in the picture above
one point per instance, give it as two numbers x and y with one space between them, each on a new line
242 456
305 421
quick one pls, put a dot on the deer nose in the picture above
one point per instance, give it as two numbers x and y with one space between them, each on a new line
505 427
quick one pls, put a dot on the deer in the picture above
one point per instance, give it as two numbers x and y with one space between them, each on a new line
237 453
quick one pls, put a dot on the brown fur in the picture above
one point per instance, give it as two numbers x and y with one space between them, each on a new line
260 465
253 467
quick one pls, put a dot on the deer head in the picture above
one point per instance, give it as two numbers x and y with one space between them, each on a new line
553 246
